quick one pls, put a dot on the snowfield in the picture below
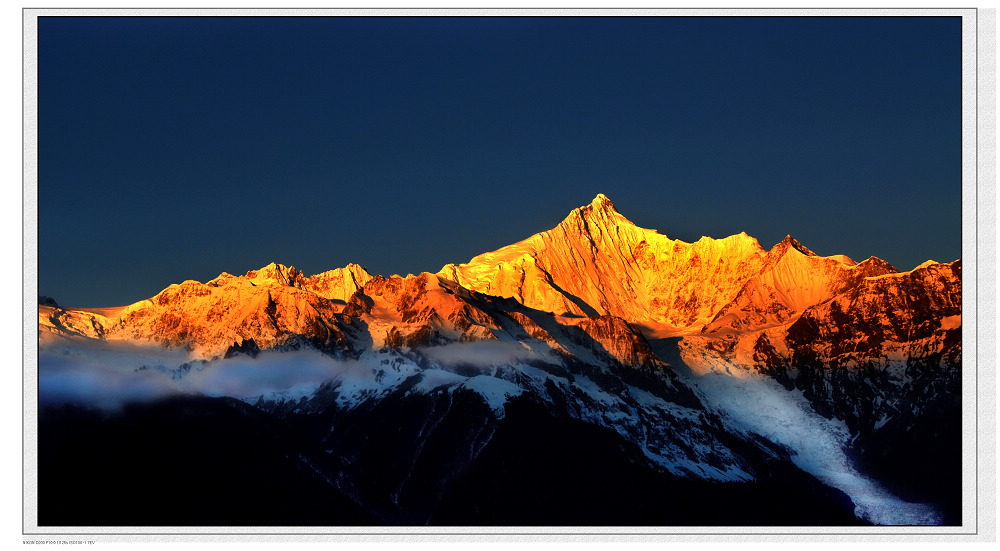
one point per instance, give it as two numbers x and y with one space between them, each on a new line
685 350
817 444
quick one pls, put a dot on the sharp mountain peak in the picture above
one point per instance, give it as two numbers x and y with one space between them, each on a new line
601 211
790 242
602 201
597 262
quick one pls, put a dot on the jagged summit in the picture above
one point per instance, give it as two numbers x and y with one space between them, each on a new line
593 263
598 262
790 242
597 217
278 273
427 375
337 284
601 201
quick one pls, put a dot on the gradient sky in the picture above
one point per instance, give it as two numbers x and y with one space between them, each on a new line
179 148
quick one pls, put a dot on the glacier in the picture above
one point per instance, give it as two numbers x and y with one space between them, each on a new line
786 418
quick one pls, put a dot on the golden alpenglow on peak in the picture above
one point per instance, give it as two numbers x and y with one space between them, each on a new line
590 317
601 360
602 204
598 262
595 218
602 200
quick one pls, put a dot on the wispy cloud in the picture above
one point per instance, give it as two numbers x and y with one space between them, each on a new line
479 354
110 375
293 372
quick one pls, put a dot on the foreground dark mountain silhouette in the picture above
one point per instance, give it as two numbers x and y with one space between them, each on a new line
596 373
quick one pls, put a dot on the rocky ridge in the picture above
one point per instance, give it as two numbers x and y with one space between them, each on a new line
585 315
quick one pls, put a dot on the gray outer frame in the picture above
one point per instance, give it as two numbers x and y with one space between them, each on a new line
979 314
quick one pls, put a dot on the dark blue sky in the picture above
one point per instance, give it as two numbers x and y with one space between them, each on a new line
173 149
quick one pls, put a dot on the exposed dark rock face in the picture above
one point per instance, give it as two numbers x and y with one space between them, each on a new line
541 469
886 358
439 459
183 462
247 347
519 389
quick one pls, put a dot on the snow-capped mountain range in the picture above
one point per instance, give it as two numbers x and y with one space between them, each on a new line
706 365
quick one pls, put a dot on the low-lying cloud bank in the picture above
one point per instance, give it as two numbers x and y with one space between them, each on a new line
479 354
109 375
298 372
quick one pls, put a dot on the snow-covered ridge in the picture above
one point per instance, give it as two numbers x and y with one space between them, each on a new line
556 318
267 305
598 262
337 284
595 262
